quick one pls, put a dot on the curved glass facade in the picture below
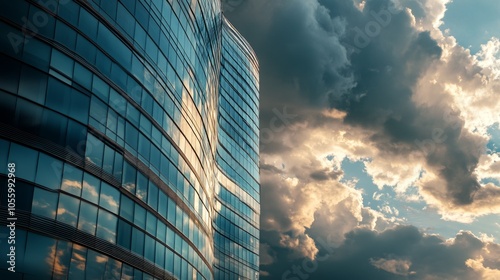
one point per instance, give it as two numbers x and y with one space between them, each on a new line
133 126
236 229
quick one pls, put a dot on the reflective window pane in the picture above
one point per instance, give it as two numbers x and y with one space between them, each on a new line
87 218
153 196
124 234
140 216
54 127
96 265
67 212
142 187
91 188
151 221
4 152
49 172
106 226
129 176
126 208
72 179
33 84
25 157
109 198
44 203
40 254
62 259
137 241
77 267
94 150
149 248
79 106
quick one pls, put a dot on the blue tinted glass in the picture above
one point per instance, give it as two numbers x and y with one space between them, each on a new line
162 204
171 211
160 255
63 258
4 152
47 28
54 127
79 106
129 177
87 218
106 226
138 275
126 20
33 85
108 160
87 23
65 35
76 138
124 234
117 73
177 266
151 221
98 110
149 248
145 125
8 107
77 266
94 150
169 260
25 160
91 188
44 203
117 102
96 265
113 269
144 146
72 179
100 88
67 212
58 95
62 63
86 49
127 208
161 231
110 8
153 196
127 272
28 116
103 63
170 238
109 198
140 216
40 253
137 241
131 136
49 171
142 187
118 166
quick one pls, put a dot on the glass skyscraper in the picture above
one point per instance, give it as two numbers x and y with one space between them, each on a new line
133 129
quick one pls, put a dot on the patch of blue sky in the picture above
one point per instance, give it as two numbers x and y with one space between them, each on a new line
413 212
473 23
494 142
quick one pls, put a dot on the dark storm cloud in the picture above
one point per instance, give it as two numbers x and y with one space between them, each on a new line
297 42
319 54
399 253
325 174
311 57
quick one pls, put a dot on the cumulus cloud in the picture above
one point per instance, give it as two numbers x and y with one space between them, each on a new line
402 252
375 81
398 267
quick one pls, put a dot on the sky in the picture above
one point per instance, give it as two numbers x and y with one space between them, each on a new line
380 137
